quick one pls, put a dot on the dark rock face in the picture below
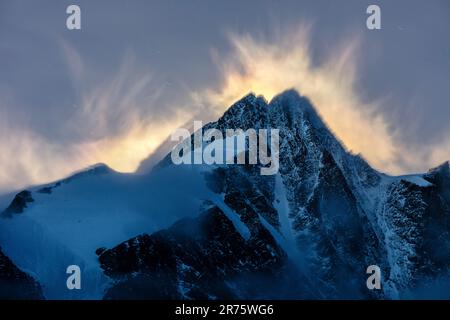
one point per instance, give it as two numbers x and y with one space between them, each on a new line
419 217
341 216
330 228
15 284
200 258
19 203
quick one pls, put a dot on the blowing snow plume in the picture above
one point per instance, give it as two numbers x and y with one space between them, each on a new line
270 67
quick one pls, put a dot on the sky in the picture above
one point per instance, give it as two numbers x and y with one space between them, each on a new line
137 70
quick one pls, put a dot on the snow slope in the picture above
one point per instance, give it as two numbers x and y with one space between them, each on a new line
69 220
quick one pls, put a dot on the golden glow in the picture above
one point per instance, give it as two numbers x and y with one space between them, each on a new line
27 158
114 119
126 152
268 68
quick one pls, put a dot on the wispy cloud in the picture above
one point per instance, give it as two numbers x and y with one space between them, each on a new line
115 122
270 66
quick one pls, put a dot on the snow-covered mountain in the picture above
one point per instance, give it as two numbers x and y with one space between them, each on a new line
225 231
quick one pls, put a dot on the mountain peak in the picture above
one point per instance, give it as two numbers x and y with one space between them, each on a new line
289 94
443 169
293 101
440 176
250 99
288 101
99 168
